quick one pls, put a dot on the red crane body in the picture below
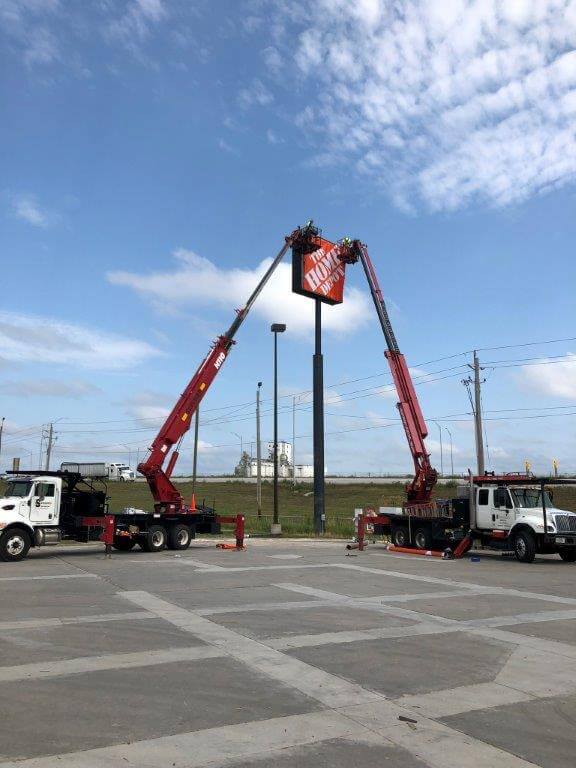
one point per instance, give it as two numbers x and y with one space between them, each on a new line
167 498
419 491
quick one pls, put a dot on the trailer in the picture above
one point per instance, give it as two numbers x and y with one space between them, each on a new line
104 470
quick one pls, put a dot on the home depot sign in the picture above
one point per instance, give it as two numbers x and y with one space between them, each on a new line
317 270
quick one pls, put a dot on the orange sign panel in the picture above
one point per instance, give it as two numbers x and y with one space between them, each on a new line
318 271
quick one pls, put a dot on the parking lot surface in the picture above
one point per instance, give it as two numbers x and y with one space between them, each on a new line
288 654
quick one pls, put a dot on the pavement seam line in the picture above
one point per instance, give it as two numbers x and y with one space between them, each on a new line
84 664
332 691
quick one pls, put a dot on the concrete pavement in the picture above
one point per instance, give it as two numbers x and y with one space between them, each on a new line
288 654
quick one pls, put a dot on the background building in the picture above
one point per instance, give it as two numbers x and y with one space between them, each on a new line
248 465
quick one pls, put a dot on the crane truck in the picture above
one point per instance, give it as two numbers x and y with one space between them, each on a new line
508 513
40 508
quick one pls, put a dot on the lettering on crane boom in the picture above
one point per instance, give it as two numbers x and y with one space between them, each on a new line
318 272
219 360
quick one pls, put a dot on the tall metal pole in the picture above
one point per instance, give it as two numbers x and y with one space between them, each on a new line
275 517
49 446
258 455
294 441
441 450
195 454
478 416
451 453
1 430
318 411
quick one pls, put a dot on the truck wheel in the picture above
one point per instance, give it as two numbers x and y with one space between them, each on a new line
154 539
179 537
525 547
123 543
423 538
568 555
400 536
14 545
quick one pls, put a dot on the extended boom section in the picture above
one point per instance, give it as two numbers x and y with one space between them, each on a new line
419 491
166 496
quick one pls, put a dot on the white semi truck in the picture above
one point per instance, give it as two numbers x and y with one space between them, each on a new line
108 470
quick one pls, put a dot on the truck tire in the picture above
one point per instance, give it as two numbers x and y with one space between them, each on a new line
400 536
524 547
568 555
123 543
179 537
423 538
14 545
154 539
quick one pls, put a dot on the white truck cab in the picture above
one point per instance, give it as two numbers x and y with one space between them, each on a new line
29 506
119 471
525 515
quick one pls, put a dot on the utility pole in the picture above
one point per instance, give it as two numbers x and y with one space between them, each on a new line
476 404
195 455
50 441
1 430
258 455
478 415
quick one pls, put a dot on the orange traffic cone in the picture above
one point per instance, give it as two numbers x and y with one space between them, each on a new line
193 503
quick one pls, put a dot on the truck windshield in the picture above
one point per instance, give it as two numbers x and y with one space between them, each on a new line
530 498
17 488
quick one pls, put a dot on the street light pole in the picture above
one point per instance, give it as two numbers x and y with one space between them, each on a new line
195 454
451 453
258 455
441 450
276 328
294 441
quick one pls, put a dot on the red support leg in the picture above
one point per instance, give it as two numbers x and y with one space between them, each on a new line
108 533
239 531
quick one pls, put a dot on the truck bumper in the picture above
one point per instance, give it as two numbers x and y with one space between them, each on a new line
561 539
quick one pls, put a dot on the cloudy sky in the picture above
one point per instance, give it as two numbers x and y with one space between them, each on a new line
156 152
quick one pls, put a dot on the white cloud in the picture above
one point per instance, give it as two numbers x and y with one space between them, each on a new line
36 339
24 21
552 378
225 147
198 281
136 24
273 137
74 389
256 94
443 103
27 208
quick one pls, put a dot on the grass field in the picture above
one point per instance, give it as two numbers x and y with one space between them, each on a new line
295 504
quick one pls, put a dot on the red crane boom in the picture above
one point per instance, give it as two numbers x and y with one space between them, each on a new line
166 496
419 491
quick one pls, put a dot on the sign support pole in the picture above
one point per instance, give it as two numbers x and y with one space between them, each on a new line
318 409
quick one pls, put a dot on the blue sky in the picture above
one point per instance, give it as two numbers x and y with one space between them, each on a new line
156 152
